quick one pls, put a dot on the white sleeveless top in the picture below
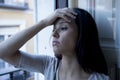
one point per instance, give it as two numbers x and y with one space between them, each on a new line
49 67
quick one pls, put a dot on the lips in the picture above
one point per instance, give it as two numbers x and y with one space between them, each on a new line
55 43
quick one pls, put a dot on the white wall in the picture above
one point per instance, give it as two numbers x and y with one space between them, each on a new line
45 7
43 39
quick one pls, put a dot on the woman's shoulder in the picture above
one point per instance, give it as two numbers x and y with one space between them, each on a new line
98 76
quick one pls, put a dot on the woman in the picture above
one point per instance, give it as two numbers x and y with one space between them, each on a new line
75 44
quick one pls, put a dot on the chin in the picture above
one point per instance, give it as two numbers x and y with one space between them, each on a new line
56 52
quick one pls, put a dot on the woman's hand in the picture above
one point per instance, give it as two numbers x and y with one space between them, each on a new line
64 13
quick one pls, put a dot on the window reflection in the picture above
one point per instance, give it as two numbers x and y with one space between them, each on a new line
105 18
103 12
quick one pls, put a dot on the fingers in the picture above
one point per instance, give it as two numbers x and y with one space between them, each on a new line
70 11
66 14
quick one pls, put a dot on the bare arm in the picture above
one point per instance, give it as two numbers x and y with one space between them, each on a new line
9 49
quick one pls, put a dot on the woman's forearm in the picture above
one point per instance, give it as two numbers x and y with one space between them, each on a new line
12 44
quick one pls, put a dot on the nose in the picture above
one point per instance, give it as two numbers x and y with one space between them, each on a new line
55 34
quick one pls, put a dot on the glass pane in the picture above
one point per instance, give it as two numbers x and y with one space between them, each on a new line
15 2
83 4
88 5
105 18
61 3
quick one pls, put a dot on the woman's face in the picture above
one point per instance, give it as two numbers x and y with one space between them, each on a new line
64 37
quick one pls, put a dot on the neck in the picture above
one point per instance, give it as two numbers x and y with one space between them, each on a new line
68 63
70 67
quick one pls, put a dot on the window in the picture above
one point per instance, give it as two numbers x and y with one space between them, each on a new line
14 4
2 63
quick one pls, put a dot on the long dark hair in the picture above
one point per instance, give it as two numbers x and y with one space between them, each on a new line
88 51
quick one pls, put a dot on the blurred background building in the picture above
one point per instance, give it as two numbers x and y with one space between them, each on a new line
15 15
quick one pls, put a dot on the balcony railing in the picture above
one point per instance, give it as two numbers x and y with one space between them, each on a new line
10 71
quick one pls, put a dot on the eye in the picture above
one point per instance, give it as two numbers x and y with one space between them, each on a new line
63 28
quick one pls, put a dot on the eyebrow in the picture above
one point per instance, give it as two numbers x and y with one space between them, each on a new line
63 22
